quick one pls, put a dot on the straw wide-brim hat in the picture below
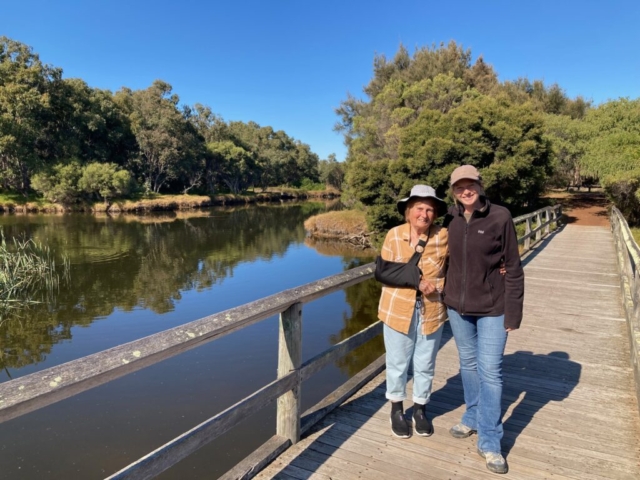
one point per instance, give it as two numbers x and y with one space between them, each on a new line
423 191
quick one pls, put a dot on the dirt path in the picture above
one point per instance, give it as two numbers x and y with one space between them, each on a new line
581 208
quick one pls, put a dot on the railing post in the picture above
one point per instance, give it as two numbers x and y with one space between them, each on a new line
289 359
527 230
539 223
547 220
559 217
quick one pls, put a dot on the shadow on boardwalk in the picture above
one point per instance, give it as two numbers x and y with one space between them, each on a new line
530 382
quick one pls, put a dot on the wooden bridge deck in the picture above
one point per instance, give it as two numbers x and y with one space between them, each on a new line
570 408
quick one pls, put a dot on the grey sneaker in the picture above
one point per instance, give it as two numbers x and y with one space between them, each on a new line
495 462
461 431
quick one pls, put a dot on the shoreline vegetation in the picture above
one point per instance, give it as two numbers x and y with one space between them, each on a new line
19 204
348 226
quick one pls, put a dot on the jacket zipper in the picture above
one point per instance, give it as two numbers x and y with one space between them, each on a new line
464 266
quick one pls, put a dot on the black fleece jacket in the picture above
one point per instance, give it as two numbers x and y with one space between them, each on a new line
474 285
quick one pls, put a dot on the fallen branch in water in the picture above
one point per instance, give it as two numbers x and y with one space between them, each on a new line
362 240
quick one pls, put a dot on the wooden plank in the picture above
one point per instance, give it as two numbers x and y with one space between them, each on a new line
258 459
332 401
529 460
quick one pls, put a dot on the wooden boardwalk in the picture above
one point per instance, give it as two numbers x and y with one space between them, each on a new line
570 407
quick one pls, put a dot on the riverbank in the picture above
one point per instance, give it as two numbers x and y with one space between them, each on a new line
18 204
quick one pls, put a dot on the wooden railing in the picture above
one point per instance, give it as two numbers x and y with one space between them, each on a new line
545 218
629 264
43 388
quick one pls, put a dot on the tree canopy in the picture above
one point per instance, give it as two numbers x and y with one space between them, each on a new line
69 141
427 113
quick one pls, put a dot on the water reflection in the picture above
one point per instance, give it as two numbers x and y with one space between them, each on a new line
147 262
145 274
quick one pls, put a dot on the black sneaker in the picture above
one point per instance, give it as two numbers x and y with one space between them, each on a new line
421 424
399 425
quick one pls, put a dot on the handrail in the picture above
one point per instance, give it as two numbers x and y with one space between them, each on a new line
43 388
628 254
552 214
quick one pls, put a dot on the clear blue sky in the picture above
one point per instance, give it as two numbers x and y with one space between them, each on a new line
289 63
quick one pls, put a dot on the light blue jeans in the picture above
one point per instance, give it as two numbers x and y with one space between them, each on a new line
401 350
481 342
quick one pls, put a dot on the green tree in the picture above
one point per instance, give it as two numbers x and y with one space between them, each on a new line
331 172
612 153
89 125
164 140
431 112
105 180
236 164
567 139
60 185
25 85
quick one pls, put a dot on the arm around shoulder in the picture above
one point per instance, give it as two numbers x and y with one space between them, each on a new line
514 279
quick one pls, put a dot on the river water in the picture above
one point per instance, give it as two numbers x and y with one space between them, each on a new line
132 276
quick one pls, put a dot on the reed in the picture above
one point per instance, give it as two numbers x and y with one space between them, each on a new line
28 274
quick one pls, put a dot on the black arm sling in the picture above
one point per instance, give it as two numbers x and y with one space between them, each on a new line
398 274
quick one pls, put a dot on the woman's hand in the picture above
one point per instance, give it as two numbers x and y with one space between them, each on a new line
426 287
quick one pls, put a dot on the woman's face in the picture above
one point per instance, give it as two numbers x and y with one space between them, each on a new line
467 192
421 213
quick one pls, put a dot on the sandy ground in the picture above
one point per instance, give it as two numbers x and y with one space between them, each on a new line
582 208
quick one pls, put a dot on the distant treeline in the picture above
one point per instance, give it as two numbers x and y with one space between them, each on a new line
426 113
68 141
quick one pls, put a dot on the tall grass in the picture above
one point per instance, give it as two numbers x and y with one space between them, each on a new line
28 274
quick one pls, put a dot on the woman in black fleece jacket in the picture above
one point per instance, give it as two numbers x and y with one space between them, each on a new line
482 304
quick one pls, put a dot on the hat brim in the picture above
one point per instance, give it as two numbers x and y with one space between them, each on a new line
442 205
475 178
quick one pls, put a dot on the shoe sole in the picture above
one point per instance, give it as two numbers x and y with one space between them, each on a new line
396 435
500 472
421 434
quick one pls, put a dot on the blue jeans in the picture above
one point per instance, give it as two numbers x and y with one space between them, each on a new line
402 349
481 342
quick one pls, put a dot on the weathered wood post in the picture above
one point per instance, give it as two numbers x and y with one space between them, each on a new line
547 220
289 359
527 241
559 216
538 223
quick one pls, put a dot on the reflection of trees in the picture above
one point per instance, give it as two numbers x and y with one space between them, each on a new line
117 263
334 248
363 300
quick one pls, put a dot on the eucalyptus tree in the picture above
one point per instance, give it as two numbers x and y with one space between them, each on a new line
165 138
